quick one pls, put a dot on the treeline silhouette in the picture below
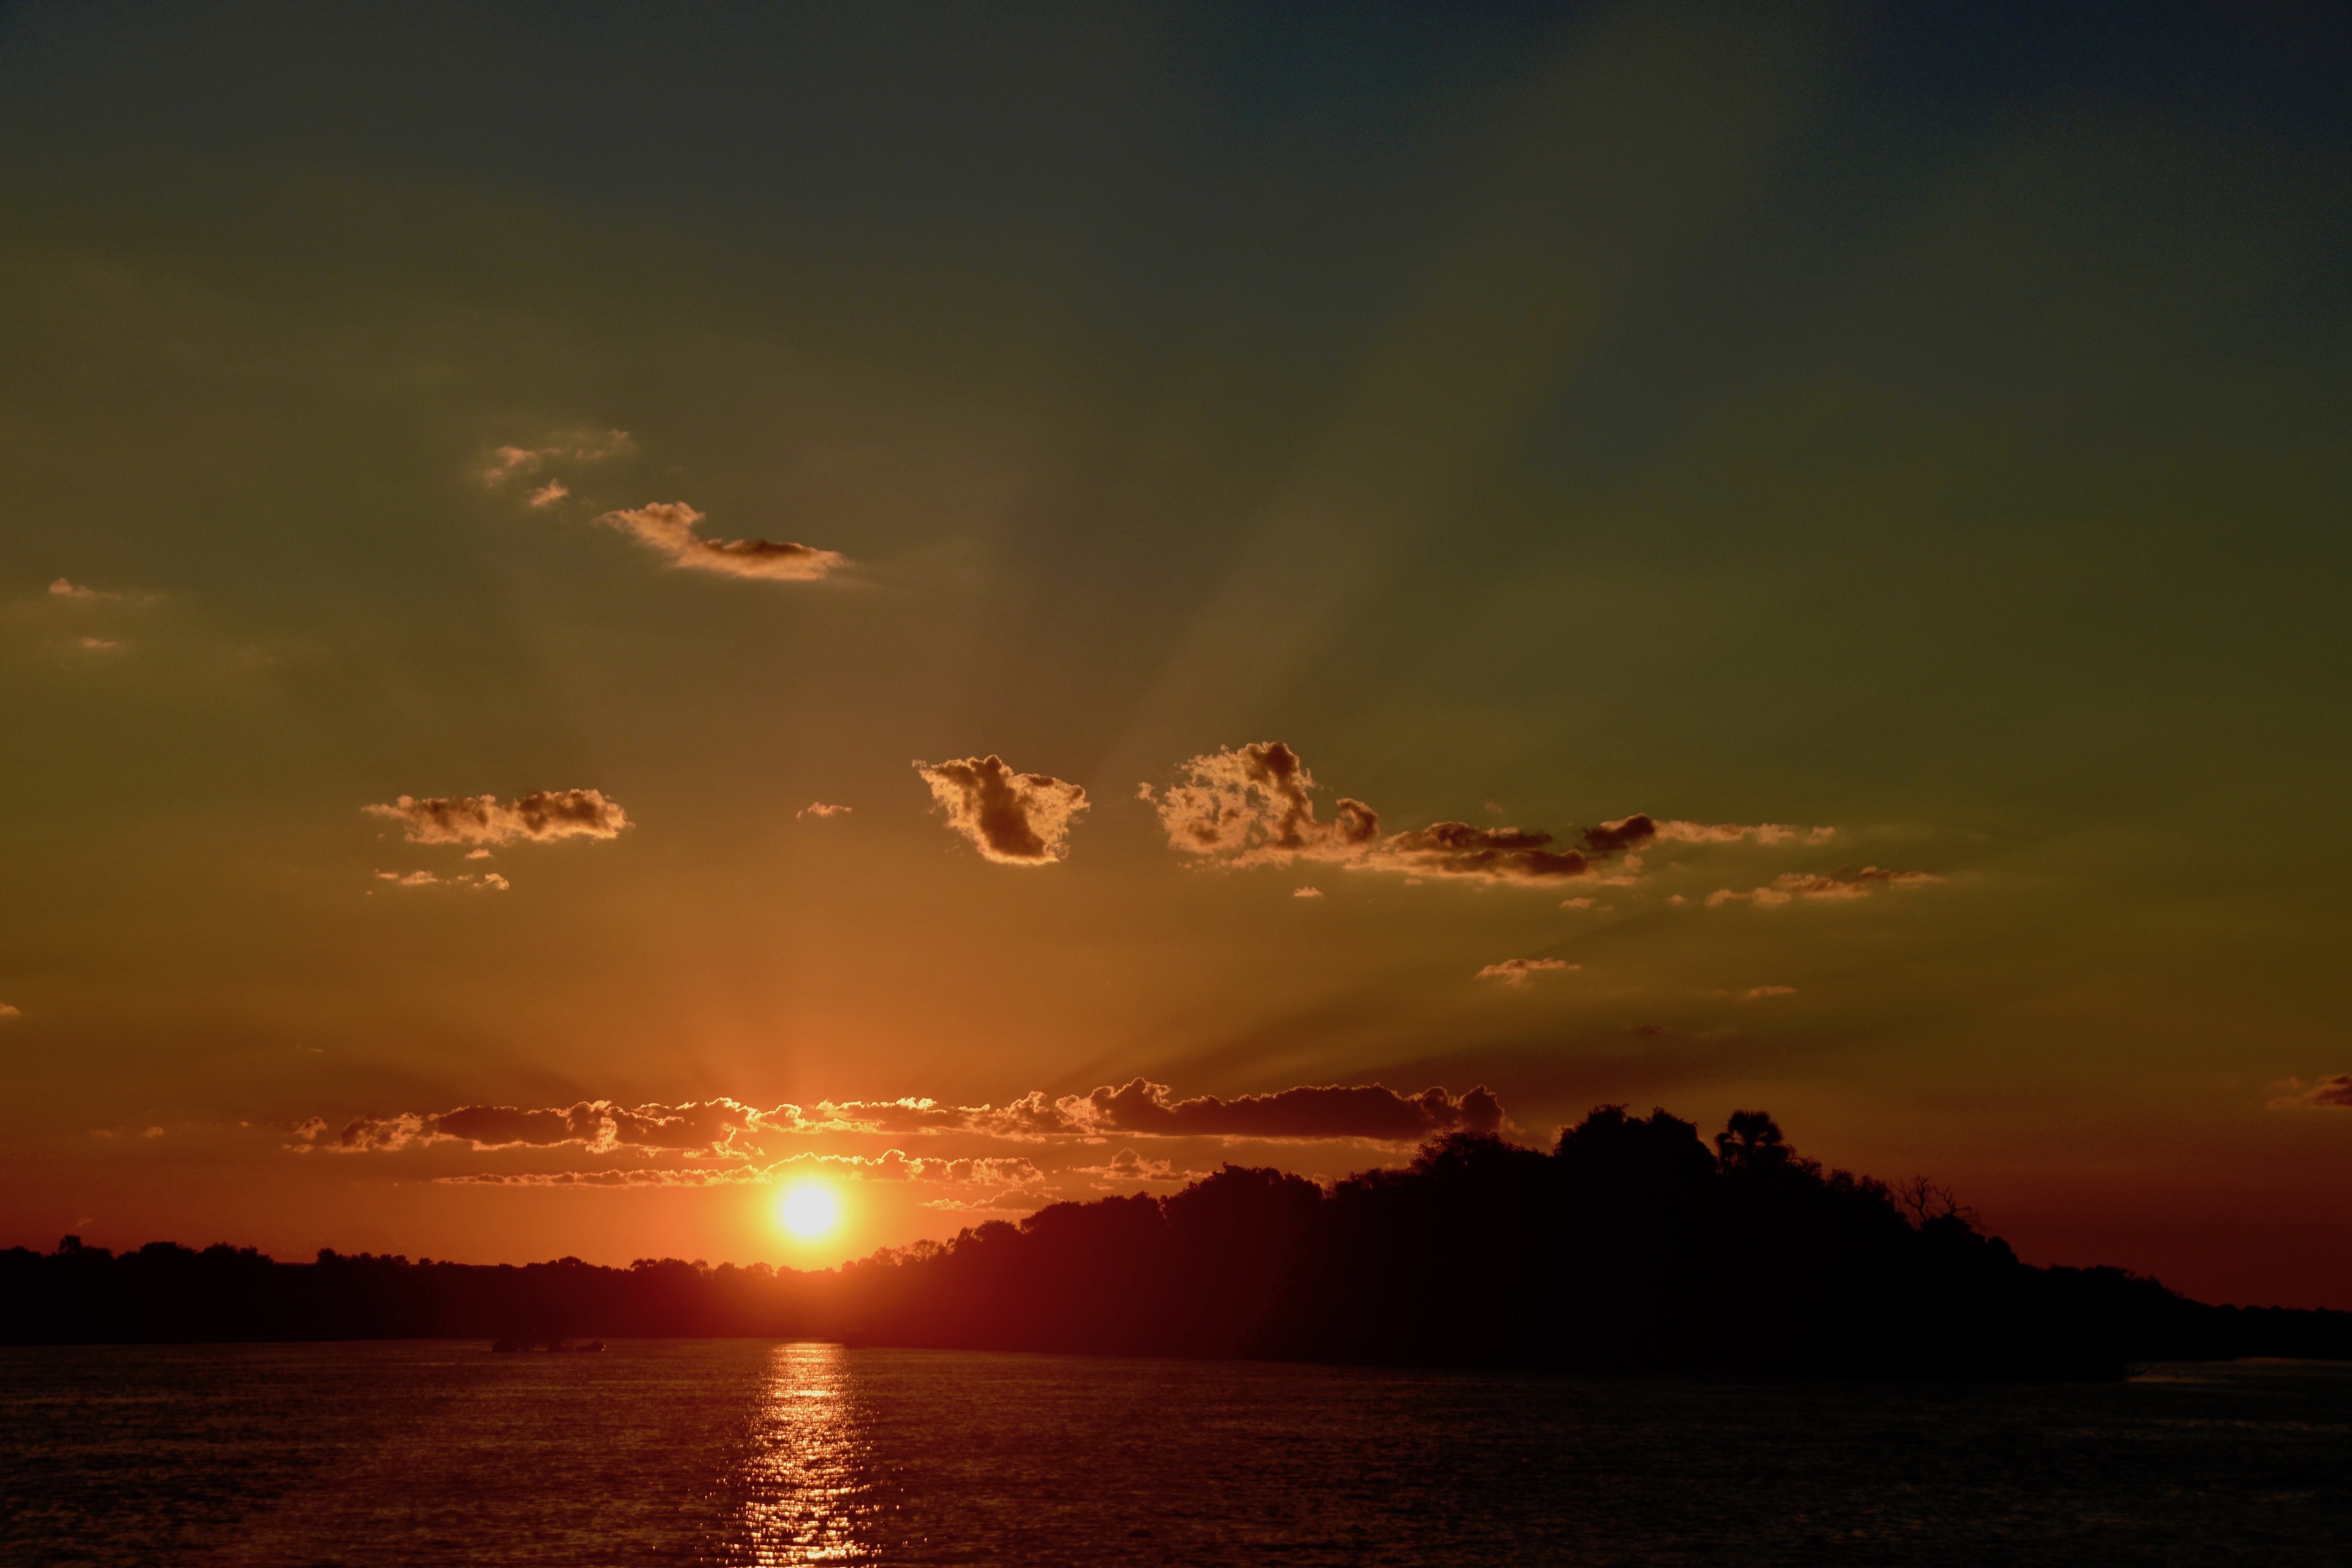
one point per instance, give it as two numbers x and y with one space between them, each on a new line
1631 1247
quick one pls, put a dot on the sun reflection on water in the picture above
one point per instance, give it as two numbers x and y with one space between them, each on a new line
807 1486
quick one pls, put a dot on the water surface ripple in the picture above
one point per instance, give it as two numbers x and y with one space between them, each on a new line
748 1452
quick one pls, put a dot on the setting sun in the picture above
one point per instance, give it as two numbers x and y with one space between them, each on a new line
809 1210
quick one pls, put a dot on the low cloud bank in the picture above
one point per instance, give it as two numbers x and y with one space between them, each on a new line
719 1127
1013 818
669 526
541 817
730 1130
1013 1175
1255 806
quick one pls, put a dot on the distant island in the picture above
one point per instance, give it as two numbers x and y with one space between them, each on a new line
1631 1247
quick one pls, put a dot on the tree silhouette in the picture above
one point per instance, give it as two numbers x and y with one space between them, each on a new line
1630 1246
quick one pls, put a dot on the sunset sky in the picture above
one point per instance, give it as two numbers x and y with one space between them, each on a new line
609 610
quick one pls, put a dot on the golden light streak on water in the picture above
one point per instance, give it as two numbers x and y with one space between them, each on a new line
807 1486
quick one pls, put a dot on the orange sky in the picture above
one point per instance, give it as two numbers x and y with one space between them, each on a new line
984 609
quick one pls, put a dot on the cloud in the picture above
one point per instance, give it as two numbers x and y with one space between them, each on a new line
152 1132
669 526
488 880
987 1171
1013 818
63 588
1255 806
579 447
1754 993
1127 1166
1678 832
720 1127
96 643
1844 883
1004 1203
1306 893
541 817
6 1011
1519 971
2333 1092
729 1129
894 1166
1576 904
1367 1111
1487 854
547 495
819 808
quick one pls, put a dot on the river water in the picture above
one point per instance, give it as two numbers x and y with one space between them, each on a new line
739 1452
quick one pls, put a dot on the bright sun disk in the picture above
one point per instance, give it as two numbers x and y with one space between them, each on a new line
809 1210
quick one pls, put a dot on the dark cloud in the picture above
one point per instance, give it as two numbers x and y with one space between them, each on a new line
1615 838
1367 1111
539 817
1013 818
1491 854
669 526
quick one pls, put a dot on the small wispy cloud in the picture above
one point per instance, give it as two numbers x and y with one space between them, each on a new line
64 588
8 1011
1306 893
547 495
1012 818
669 527
1755 993
577 446
541 817
819 808
490 880
2333 1092
1844 883
1519 971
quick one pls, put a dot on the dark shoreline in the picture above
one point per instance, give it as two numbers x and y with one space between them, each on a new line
1631 1247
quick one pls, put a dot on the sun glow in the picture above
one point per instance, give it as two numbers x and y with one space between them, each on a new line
809 1210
